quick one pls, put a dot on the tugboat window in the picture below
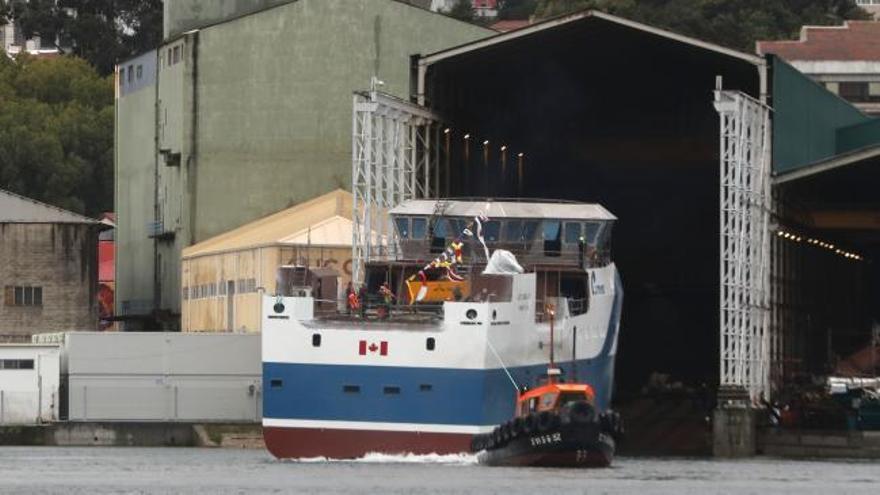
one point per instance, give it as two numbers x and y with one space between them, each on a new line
429 344
471 314
351 389
316 340
276 383
426 387
392 390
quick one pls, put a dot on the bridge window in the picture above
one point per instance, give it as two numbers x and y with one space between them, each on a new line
513 231
552 237
572 232
530 230
419 228
438 236
402 227
591 231
492 231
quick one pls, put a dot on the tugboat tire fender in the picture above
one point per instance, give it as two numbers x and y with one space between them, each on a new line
582 413
547 421
497 439
530 424
506 433
516 427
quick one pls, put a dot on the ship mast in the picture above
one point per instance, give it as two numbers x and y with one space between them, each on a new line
552 370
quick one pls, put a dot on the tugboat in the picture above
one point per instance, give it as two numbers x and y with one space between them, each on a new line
556 425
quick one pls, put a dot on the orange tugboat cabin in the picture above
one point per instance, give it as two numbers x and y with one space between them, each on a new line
552 396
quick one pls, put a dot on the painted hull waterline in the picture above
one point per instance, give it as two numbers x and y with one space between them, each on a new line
292 443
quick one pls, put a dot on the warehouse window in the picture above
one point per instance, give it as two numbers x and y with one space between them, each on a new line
121 77
176 54
15 295
16 364
185 293
252 285
140 72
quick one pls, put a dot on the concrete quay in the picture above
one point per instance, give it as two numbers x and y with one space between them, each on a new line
131 434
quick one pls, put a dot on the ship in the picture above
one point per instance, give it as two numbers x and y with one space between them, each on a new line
449 325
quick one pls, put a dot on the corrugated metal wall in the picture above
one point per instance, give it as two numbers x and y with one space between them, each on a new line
134 376
806 118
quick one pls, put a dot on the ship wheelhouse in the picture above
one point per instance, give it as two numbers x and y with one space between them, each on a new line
558 241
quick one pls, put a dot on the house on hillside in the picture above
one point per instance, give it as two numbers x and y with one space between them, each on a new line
845 59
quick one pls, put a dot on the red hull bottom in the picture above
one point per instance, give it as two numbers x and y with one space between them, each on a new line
288 443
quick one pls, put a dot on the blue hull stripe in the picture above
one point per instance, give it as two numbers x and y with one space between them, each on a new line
454 397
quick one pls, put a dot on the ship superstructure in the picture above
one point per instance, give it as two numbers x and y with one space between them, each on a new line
424 370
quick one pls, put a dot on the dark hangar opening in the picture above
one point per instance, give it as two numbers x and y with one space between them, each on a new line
620 114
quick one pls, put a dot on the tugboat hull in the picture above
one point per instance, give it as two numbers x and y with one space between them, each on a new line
564 446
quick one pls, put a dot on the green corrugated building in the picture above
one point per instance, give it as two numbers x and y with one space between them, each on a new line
245 109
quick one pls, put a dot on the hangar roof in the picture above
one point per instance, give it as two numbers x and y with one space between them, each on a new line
579 18
19 209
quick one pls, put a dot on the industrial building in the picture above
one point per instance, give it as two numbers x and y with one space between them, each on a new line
225 276
245 110
49 269
30 380
153 376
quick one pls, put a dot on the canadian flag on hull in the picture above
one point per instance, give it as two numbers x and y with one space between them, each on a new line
365 348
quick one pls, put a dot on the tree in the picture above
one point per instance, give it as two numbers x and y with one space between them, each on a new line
734 23
56 132
516 9
463 10
100 31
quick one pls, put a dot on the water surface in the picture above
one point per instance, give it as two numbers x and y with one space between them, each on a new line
31 470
